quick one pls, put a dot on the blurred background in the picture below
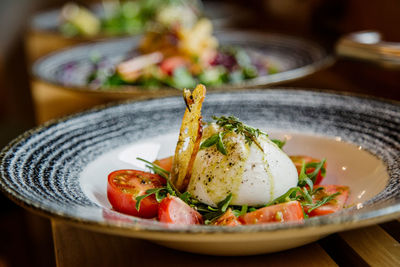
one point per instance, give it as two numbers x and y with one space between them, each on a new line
26 238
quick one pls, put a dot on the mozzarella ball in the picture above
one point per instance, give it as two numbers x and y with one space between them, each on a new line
252 175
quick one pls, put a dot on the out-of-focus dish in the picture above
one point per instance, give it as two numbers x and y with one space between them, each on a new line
180 54
178 49
274 58
54 29
60 79
58 169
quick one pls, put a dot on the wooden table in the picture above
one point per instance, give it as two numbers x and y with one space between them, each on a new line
376 245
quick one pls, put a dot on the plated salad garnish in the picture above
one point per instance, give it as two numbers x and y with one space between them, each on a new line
225 172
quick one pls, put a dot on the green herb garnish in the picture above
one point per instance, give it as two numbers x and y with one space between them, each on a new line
321 202
228 125
319 166
210 214
161 192
279 143
215 139
156 169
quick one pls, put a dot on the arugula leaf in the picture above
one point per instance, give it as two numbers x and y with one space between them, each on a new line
212 140
316 190
161 192
306 195
172 190
215 139
220 144
279 143
305 215
160 195
304 179
210 214
318 166
149 192
288 196
242 211
322 201
223 205
155 168
186 197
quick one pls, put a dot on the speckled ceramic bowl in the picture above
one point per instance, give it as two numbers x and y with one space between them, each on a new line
60 169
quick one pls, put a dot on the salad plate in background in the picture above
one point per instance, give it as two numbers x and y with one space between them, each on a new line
72 23
88 68
60 169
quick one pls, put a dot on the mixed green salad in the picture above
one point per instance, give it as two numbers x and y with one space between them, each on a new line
230 65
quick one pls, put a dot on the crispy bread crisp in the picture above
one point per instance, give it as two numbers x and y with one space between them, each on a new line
189 137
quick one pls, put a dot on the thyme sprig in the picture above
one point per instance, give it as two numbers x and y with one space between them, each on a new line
232 124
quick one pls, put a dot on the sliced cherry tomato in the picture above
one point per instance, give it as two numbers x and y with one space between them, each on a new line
125 185
175 210
298 162
165 163
332 206
170 64
284 212
227 219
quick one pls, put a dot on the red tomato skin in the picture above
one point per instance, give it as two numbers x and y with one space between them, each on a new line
227 219
332 206
126 202
175 210
284 212
298 162
165 163
170 64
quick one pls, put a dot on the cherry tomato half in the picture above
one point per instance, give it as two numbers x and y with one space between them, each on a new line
175 210
284 212
298 162
125 185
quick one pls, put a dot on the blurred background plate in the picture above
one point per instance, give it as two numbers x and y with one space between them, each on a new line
65 73
44 33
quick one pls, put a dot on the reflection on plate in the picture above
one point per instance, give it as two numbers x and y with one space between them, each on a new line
293 57
60 169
